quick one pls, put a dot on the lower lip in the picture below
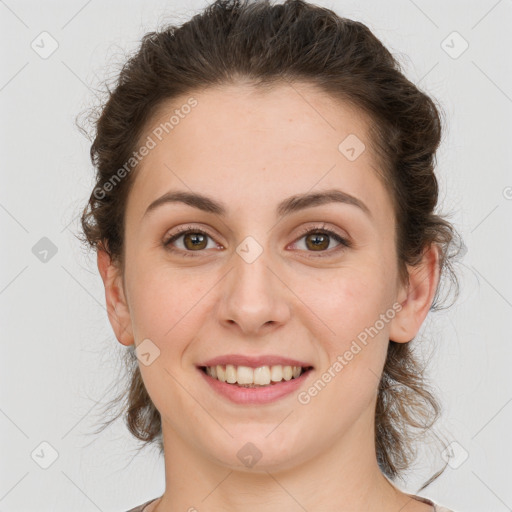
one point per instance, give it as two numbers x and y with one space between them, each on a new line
257 395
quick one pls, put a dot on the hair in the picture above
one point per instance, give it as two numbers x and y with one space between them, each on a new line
235 41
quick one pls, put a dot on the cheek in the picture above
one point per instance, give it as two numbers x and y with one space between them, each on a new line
162 301
352 304
347 300
354 348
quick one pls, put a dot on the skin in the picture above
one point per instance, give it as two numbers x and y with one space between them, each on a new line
250 150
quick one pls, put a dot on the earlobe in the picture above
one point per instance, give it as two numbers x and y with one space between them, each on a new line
416 297
115 298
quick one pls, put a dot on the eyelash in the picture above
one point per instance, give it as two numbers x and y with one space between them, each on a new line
344 243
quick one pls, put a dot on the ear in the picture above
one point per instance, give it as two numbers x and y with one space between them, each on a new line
115 298
416 297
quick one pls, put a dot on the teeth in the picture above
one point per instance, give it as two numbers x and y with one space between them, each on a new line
219 370
230 374
250 377
245 375
276 373
262 376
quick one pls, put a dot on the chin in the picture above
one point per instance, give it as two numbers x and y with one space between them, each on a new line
255 450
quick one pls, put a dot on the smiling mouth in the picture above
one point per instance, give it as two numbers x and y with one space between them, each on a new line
247 377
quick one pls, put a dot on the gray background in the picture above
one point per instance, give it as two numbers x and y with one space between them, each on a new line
59 356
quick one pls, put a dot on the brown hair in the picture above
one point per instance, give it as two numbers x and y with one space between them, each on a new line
241 40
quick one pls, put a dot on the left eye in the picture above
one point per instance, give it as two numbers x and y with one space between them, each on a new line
319 239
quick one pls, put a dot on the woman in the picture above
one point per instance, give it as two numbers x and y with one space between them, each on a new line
264 223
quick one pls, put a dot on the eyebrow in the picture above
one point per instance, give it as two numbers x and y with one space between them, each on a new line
286 207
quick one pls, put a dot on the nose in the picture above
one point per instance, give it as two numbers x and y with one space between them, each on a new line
254 297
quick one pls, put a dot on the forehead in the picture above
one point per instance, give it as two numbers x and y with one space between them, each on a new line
238 141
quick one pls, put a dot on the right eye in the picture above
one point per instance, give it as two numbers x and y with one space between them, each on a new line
194 240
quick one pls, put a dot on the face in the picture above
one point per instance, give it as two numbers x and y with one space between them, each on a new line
313 283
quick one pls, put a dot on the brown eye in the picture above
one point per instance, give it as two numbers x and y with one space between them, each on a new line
193 240
317 241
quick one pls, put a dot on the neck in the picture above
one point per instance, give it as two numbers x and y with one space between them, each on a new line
345 477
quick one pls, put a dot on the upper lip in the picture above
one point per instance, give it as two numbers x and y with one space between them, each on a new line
254 361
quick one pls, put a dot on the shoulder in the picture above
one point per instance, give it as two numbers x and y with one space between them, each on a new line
437 508
141 508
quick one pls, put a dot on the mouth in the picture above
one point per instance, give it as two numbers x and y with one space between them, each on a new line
259 377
